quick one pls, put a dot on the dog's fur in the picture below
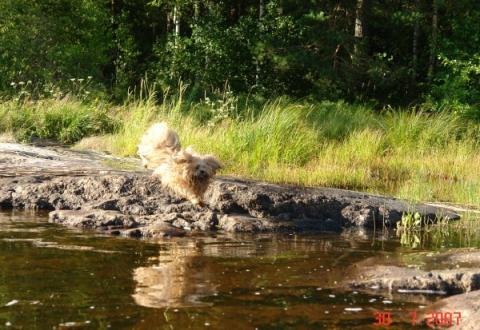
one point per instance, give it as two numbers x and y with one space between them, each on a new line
185 172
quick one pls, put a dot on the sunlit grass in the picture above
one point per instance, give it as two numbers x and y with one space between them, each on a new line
65 120
409 154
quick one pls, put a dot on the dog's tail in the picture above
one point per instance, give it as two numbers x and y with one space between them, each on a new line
158 143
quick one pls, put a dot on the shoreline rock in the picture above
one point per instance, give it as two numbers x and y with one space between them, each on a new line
395 279
98 196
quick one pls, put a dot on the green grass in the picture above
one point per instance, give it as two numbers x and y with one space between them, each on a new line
409 154
66 121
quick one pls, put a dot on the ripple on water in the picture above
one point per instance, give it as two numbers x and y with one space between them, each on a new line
38 242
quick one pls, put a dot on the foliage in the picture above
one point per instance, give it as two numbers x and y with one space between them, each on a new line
410 221
457 84
283 47
48 42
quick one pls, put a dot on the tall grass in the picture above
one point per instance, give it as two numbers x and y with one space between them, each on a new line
66 121
409 154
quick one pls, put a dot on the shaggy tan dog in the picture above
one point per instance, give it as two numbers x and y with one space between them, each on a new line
185 172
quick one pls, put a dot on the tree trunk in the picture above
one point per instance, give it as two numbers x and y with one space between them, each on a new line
169 22
261 13
433 41
115 13
416 32
261 9
359 30
196 10
176 22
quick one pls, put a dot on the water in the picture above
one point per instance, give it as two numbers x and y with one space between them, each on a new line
56 277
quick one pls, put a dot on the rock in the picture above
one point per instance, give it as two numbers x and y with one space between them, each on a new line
360 215
244 223
409 280
158 230
466 257
60 179
5 200
464 307
94 219
205 220
365 215
181 223
108 204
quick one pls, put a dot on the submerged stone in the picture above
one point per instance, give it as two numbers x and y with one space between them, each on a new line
461 311
94 219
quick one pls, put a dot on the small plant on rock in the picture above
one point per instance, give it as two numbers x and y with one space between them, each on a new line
410 221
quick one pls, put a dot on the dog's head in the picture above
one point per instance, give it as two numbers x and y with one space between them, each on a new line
197 167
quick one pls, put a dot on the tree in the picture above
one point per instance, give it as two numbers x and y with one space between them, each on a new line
433 40
384 52
359 29
64 40
415 37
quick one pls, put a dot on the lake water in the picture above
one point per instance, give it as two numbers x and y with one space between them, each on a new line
56 277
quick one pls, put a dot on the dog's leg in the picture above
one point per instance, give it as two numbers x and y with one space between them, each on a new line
194 198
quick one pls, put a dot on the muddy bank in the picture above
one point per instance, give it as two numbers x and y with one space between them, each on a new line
92 190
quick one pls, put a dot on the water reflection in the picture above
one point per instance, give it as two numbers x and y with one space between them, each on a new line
193 272
268 281
170 281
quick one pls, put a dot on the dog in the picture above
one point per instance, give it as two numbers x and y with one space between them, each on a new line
185 172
